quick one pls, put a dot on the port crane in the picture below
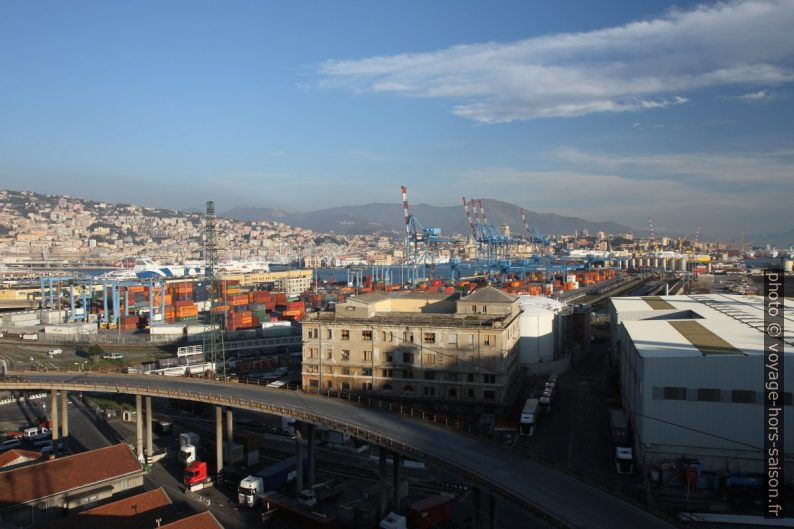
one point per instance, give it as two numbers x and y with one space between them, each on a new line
421 244
492 244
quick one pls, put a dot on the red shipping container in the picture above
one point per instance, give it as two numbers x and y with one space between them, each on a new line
183 303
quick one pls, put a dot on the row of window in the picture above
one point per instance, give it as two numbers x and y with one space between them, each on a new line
388 336
405 373
409 358
740 396
429 391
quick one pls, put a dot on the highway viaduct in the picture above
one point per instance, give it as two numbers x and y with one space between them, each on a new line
501 475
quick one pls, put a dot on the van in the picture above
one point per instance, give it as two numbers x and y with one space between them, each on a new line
54 352
113 356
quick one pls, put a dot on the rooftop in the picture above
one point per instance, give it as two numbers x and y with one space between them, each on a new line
490 295
204 520
135 512
31 482
697 325
16 456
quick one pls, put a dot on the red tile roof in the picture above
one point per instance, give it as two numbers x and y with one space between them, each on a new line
204 520
135 512
21 485
10 457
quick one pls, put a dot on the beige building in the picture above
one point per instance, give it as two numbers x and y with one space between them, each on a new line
450 353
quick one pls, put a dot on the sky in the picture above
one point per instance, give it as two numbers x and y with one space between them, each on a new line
609 110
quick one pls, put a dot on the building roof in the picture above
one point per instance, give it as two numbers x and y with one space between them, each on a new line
13 457
31 482
539 305
490 295
698 325
135 512
203 520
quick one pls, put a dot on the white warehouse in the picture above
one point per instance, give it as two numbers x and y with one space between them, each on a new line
691 371
540 328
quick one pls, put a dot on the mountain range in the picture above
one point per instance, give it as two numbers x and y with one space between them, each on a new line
388 217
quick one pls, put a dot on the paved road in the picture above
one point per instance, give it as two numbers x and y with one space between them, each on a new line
507 475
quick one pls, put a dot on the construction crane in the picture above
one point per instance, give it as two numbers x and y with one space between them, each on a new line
652 238
421 243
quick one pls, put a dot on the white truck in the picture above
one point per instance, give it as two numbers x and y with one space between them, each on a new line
188 447
320 492
528 417
52 353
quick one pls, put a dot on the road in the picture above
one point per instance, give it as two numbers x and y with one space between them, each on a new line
559 496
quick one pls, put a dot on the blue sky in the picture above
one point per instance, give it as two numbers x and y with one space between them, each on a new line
610 110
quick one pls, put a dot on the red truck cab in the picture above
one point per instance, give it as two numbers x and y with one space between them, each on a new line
195 473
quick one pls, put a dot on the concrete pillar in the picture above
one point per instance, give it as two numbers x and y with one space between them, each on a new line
138 427
310 434
229 427
64 417
396 507
492 511
54 416
382 481
219 438
149 443
298 457
475 511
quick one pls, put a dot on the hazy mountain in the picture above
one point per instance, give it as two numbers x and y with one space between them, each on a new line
779 240
451 219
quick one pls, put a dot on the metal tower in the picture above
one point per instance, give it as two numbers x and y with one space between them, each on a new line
420 243
212 337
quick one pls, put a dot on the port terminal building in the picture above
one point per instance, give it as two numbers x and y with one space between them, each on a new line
692 380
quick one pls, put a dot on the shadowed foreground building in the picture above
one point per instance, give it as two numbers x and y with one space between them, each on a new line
51 489
440 351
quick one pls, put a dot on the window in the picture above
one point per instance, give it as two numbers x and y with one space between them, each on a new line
408 389
346 386
709 395
313 383
366 336
329 354
430 390
474 308
408 358
489 379
330 384
367 356
489 395
345 355
671 393
345 334
367 371
486 340
387 373
470 377
389 357
471 393
310 353
430 375
452 339
329 334
345 370
409 373
366 386
391 336
743 396
411 337
452 392
387 387
312 333
383 336
484 309
430 359
430 337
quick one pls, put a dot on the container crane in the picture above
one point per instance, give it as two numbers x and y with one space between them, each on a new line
420 242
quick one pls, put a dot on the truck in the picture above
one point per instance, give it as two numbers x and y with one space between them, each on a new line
321 493
292 514
266 479
195 476
528 417
431 512
162 427
288 426
621 440
188 447
54 352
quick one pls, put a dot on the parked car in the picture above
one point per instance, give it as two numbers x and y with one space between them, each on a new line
113 356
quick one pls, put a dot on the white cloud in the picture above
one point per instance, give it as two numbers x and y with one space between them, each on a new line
755 96
638 66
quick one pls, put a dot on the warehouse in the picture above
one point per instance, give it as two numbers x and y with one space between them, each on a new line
691 371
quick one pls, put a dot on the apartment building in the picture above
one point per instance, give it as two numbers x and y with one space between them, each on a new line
437 351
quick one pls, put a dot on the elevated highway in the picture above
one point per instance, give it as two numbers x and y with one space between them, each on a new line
546 492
